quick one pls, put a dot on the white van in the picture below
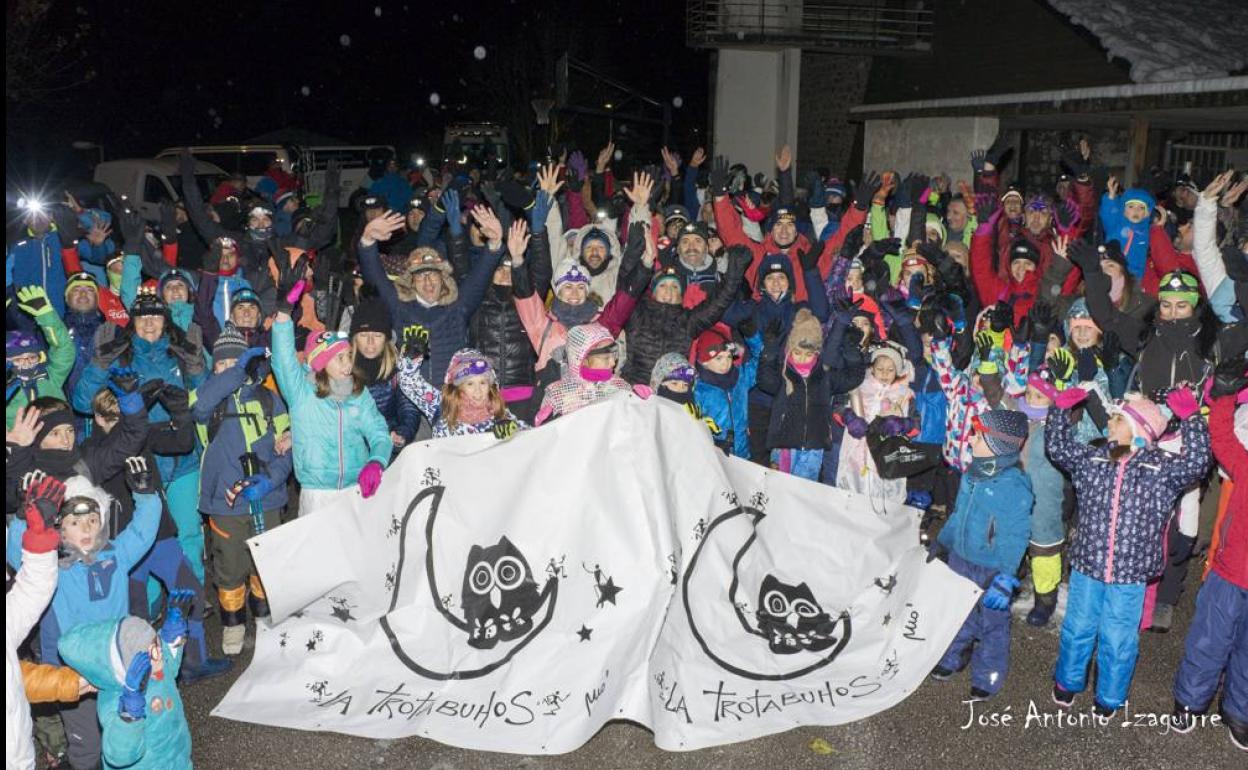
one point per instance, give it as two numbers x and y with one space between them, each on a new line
306 163
147 182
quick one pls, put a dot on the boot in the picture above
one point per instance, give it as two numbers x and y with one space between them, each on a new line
1183 719
259 606
1043 609
207 669
1163 616
1239 732
232 639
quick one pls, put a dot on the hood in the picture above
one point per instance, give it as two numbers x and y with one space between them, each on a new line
81 486
576 239
801 243
91 650
1139 194
582 339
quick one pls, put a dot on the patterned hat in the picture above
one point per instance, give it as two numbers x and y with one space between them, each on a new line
711 343
665 275
229 344
19 343
1145 418
569 272
1004 430
671 366
469 362
321 348
244 295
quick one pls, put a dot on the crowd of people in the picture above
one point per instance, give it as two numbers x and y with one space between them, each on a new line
1052 380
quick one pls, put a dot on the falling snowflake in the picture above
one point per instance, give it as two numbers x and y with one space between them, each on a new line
455 17
740 36
678 102
619 155
479 52
229 82
212 110
306 91
434 99
345 41
623 130
377 11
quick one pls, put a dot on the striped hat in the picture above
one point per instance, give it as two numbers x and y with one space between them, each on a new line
1004 430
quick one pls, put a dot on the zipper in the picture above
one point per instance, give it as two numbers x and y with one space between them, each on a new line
340 459
1113 520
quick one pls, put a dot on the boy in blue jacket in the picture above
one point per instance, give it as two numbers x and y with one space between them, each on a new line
136 672
1127 217
722 387
986 537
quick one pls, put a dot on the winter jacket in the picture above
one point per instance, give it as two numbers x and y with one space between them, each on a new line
498 332
333 440
98 591
445 323
1208 257
1133 237
656 328
212 302
991 520
1230 560
802 419
571 392
40 261
61 357
1048 486
733 234
236 416
161 740
930 403
417 390
991 286
1164 258
23 606
729 408
401 415
1171 354
1124 505
152 361
966 402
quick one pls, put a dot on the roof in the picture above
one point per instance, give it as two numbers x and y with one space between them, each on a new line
1167 40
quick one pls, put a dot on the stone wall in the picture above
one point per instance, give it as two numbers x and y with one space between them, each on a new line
831 84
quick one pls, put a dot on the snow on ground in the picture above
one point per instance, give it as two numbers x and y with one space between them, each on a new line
1166 40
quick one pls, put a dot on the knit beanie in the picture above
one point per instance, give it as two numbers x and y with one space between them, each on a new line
806 334
1145 418
595 234
176 274
1180 285
1112 250
711 343
18 343
321 348
569 271
229 345
1004 430
892 354
148 304
243 296
134 635
671 366
370 317
469 362
664 275
1024 249
79 279
1078 316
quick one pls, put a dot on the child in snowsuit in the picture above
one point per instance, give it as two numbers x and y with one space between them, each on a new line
136 671
884 402
801 412
469 401
1125 493
40 368
986 536
723 384
1126 218
589 375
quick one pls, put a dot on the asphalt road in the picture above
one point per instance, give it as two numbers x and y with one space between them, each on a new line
926 730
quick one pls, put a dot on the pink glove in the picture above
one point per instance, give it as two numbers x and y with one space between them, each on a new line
1044 386
1070 398
296 291
643 391
370 478
1182 402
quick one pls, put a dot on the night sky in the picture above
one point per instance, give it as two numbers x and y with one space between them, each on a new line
364 72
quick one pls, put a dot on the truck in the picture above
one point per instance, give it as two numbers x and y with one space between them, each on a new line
148 182
306 163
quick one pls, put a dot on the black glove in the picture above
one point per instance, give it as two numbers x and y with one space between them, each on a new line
176 400
853 338
1085 257
1111 350
999 153
168 222
931 320
1236 263
810 258
1086 366
181 346
931 251
852 243
66 222
416 344
108 352
719 176
150 391
140 477
773 333
1061 364
865 191
1041 321
1001 317
132 229
505 429
1230 377
878 249
748 327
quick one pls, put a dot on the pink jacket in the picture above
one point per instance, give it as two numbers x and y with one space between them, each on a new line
546 332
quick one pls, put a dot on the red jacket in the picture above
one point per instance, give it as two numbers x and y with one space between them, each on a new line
1162 259
991 286
733 234
1231 559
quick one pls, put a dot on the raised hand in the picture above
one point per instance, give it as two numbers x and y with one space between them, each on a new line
548 178
639 192
34 301
491 228
386 225
26 426
671 161
1113 187
699 156
865 191
718 181
168 222
139 476
978 159
784 159
132 705
604 157
517 241
1060 245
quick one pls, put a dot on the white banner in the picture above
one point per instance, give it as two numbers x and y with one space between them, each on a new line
516 596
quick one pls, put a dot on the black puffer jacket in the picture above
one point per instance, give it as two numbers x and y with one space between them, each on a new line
655 328
497 332
802 418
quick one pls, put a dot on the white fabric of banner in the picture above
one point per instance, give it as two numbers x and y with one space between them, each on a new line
515 596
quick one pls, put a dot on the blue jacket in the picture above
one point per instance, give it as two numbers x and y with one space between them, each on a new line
1133 237
991 521
395 189
99 591
402 416
730 409
446 324
82 328
930 403
152 361
162 738
36 261
333 439
239 421
1048 486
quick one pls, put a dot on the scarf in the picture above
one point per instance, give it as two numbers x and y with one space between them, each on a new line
803 370
573 315
369 369
1034 413
987 467
596 375
727 380
341 389
684 399
61 463
474 414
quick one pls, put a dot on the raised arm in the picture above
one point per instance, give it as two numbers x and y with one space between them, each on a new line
195 210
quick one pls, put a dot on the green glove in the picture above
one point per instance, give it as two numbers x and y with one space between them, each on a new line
34 300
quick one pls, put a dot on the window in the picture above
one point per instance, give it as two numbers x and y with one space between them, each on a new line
154 190
207 184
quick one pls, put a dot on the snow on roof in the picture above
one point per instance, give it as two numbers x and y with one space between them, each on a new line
1167 39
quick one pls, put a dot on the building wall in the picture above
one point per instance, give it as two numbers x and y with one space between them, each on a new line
831 84
756 105
929 145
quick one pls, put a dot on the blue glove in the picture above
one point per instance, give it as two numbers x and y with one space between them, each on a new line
249 355
124 382
450 204
916 288
256 488
132 705
999 594
539 212
175 628
817 191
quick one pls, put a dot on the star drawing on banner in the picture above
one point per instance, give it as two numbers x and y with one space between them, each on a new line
584 632
342 610
607 591
887 585
887 619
